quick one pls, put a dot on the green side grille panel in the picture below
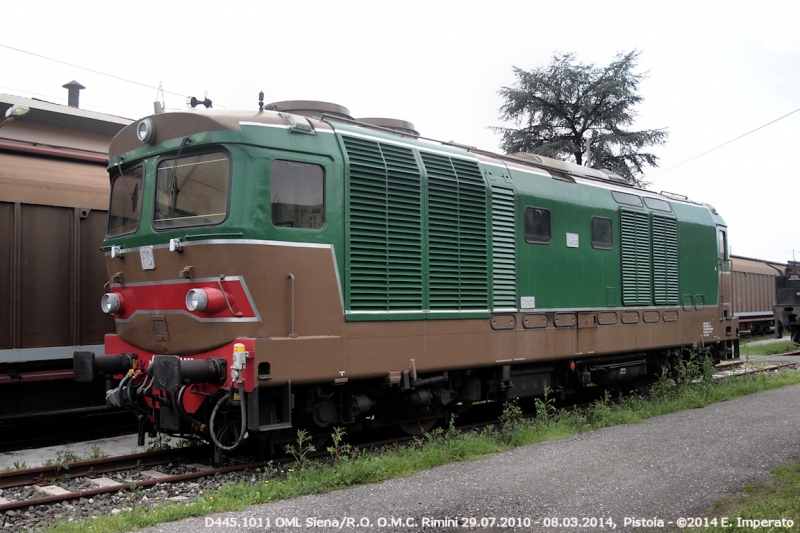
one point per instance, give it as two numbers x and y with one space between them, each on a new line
457 234
665 260
504 260
385 259
636 260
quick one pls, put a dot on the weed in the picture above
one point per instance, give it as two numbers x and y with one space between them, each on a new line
304 447
599 413
340 452
62 460
160 443
545 408
132 495
96 453
451 427
511 421
20 466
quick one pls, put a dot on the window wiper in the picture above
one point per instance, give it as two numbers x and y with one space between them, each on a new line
133 193
173 187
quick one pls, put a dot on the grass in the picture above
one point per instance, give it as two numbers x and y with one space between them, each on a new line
776 499
692 387
773 347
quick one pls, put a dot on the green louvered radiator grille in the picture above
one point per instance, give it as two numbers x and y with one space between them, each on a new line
504 261
665 260
457 234
385 259
636 261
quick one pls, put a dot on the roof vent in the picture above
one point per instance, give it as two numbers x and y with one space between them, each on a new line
73 95
533 158
310 108
400 126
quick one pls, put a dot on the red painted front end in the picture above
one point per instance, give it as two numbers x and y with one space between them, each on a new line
196 393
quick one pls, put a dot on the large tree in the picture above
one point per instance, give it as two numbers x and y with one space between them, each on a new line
558 104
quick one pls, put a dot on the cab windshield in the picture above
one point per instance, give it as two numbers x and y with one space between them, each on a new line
126 202
192 190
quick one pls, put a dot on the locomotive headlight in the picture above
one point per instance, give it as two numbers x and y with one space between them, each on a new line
145 130
111 303
196 300
209 300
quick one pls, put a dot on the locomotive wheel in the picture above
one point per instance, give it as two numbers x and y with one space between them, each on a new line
420 427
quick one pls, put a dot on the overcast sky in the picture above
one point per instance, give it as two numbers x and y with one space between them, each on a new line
716 70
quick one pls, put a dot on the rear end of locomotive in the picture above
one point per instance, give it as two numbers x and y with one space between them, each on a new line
216 230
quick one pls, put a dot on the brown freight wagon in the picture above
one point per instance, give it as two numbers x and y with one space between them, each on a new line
754 293
53 215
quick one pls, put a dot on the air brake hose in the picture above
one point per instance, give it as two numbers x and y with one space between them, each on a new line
127 397
225 399
182 411
120 392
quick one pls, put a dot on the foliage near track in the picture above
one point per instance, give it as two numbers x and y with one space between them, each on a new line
692 386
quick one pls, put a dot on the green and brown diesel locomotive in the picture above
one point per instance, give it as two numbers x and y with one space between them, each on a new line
294 268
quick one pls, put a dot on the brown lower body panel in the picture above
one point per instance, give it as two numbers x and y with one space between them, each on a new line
374 349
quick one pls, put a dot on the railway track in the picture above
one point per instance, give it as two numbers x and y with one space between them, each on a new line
731 368
57 484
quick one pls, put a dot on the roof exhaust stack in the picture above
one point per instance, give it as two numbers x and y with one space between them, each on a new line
73 96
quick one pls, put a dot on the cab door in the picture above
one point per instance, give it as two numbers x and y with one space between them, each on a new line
725 276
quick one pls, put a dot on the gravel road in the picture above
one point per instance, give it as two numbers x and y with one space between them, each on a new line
657 472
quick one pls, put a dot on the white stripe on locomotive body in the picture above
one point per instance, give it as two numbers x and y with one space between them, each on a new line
187 313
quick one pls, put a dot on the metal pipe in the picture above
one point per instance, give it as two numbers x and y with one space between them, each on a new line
292 334
16 269
75 274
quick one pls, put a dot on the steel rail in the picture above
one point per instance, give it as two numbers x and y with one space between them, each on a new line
16 478
122 486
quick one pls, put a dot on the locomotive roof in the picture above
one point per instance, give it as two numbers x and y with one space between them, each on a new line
167 127
202 120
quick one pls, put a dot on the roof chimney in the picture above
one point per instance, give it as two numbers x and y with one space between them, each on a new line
74 89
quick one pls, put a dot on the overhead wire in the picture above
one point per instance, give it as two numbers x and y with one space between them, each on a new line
88 69
724 144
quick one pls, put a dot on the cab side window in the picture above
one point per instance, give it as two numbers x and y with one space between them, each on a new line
601 233
537 225
298 195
